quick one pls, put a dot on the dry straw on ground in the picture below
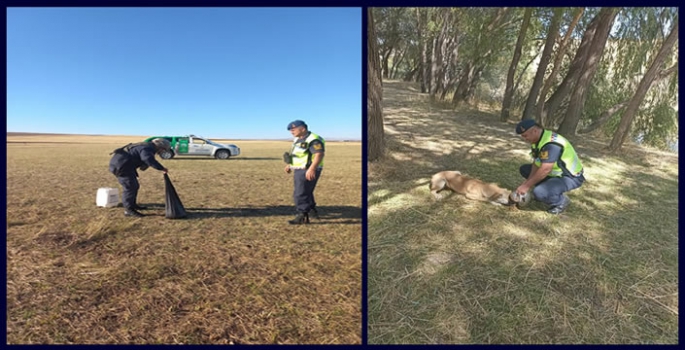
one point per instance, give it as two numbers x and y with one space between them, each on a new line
233 272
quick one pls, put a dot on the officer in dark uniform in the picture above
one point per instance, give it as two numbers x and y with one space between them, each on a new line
124 163
305 160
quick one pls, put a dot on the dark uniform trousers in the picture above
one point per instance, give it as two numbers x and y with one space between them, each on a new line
304 190
551 189
122 167
130 193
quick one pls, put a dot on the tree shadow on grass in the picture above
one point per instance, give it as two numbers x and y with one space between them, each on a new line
501 274
423 138
616 258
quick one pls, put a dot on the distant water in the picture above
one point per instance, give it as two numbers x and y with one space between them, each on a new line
673 146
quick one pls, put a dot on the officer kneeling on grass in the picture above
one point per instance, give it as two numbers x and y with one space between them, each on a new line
306 161
124 163
556 167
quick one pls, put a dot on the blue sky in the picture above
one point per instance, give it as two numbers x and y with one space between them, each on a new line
234 73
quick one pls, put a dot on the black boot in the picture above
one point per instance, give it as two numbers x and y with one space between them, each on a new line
133 212
301 218
314 213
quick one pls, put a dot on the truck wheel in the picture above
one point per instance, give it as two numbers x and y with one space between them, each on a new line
222 154
166 154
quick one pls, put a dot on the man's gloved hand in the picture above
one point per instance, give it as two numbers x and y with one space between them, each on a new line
287 158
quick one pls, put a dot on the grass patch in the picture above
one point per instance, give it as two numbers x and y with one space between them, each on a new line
462 272
233 272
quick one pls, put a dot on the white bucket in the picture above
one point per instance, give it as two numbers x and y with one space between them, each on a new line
107 197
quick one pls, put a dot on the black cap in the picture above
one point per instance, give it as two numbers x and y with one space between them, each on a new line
296 123
524 125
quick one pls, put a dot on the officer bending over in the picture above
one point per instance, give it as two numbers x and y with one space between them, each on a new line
124 163
306 161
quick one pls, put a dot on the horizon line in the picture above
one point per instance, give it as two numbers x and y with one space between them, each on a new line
211 138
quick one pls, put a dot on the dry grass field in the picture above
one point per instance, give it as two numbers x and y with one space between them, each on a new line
465 272
233 272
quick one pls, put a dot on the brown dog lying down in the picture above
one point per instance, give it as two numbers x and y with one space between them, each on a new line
471 188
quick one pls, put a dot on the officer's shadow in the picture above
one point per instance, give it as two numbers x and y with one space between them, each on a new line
327 214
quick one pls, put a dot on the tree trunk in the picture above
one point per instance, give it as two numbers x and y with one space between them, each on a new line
436 53
444 66
578 96
423 45
375 137
465 81
409 76
555 67
573 73
445 52
453 64
603 118
397 61
435 61
469 96
386 64
646 82
553 32
509 90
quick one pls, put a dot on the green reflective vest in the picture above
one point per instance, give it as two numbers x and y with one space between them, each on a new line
569 158
301 158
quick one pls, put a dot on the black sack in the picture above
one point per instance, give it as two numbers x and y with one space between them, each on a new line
287 158
174 207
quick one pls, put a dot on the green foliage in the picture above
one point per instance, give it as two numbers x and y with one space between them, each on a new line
636 37
599 99
673 83
657 126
